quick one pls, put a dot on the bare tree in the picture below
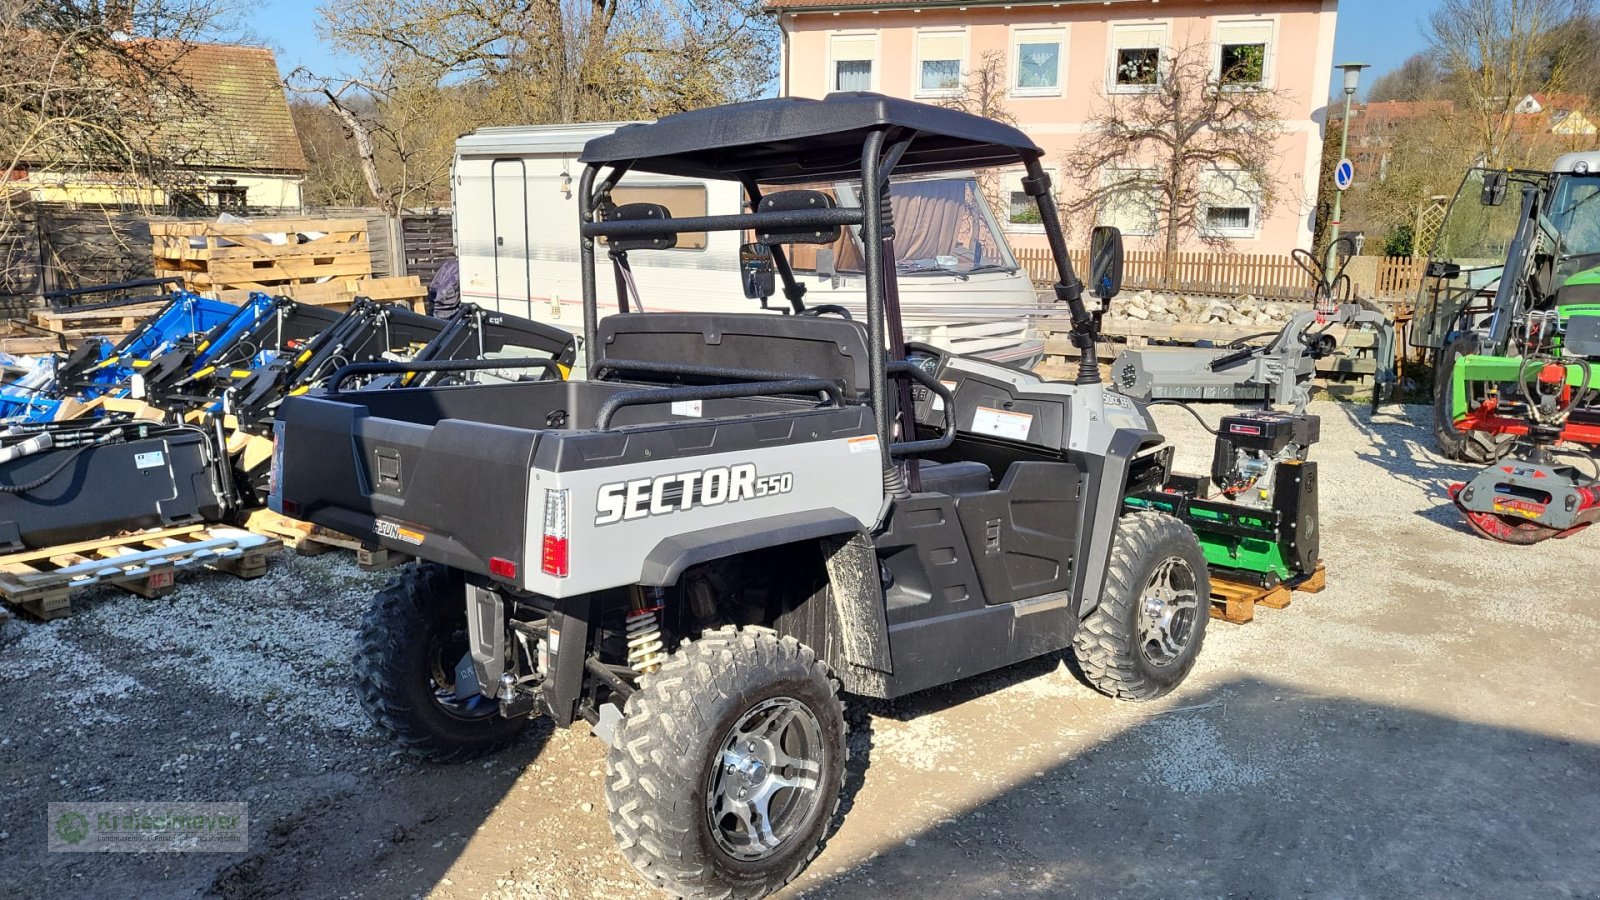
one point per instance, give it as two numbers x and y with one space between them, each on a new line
983 93
1496 52
94 92
1189 140
983 90
1418 78
566 60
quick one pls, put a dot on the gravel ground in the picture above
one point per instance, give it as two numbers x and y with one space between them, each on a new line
1425 727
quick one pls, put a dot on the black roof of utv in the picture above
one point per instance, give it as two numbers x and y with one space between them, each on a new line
793 140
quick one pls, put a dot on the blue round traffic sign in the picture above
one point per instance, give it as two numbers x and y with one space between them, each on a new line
1343 174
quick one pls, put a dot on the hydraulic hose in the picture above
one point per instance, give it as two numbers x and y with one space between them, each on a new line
44 479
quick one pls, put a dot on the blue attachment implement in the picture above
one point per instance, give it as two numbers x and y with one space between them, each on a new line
100 368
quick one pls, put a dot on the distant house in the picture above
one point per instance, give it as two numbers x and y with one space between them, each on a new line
1373 127
233 150
1060 57
1559 114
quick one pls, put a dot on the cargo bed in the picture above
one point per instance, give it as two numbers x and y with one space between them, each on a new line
450 473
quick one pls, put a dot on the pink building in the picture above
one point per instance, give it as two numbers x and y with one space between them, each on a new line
1061 58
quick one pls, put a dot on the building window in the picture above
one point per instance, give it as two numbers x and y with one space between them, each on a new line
1231 204
1228 218
852 61
939 56
1136 56
1131 202
230 196
1038 61
1023 211
1244 49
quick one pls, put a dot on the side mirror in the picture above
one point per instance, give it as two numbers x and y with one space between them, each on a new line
1494 189
1441 269
1105 261
757 272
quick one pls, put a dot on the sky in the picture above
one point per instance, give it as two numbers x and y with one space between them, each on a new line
1379 32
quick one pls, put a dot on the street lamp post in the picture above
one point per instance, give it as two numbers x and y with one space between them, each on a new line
1352 77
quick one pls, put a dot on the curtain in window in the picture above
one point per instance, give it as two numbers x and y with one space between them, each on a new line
1038 65
853 75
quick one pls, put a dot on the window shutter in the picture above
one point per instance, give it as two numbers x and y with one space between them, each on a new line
1129 36
941 45
853 46
1257 31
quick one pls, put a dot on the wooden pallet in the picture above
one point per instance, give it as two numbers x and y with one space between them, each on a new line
213 256
112 322
1235 601
308 539
341 292
42 582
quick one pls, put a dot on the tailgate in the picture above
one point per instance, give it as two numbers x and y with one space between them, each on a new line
454 492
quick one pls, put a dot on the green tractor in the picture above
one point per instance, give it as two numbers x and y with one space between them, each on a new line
1510 305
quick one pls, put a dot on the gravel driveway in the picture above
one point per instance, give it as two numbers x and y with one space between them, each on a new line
1427 726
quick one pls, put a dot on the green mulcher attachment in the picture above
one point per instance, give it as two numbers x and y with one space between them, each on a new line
1543 400
1256 514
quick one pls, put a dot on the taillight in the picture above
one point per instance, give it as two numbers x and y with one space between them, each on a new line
553 555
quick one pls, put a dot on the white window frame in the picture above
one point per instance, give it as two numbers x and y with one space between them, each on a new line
831 74
917 90
1268 63
1246 202
1010 183
1038 34
1163 50
1111 174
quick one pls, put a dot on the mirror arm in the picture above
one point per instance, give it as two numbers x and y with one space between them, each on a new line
1068 288
793 290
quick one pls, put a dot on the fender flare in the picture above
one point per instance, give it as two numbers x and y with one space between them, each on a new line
667 561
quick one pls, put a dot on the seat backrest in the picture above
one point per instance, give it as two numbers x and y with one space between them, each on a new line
814 346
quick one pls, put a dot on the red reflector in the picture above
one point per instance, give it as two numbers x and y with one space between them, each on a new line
554 560
290 508
502 568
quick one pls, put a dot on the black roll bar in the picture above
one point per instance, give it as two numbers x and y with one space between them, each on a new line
650 367
344 373
872 260
915 373
646 396
1068 288
774 219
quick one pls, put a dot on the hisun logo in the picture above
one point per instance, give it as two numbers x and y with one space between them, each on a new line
665 494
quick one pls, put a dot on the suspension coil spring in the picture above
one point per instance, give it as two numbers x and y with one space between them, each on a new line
646 648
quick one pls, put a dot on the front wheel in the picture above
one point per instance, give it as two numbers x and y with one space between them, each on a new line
411 646
1468 446
728 766
1144 637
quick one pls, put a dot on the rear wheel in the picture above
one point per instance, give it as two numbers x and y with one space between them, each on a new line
1467 446
410 649
1144 637
728 766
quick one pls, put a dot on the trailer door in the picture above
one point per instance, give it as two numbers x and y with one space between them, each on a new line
513 277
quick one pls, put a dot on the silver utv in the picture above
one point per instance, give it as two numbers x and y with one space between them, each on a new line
737 524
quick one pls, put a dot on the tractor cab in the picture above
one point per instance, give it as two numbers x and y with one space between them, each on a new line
1544 225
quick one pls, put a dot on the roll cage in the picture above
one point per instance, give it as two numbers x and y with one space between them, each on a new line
861 137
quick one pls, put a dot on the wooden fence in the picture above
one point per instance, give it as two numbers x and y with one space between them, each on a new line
1261 275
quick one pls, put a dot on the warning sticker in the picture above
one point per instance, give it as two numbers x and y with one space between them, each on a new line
150 460
864 444
1002 423
687 408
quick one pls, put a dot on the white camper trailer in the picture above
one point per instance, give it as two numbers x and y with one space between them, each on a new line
516 234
